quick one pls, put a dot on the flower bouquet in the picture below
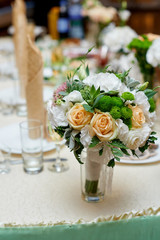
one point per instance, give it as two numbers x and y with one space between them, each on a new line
118 39
102 117
146 52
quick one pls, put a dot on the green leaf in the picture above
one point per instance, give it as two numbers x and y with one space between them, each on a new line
101 151
105 69
152 138
93 90
89 50
142 149
94 142
117 152
112 93
125 151
77 156
123 75
118 143
76 70
153 133
63 93
97 92
149 93
97 100
134 153
87 70
67 133
117 158
131 82
60 130
88 108
111 163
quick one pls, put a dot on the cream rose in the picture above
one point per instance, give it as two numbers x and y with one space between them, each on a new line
104 127
138 118
78 117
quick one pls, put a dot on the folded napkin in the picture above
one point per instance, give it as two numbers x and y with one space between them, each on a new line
34 86
31 30
20 41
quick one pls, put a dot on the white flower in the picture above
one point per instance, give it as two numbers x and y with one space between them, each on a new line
124 14
126 62
119 38
47 72
100 13
138 137
57 114
123 130
85 137
74 96
134 138
153 53
106 82
142 101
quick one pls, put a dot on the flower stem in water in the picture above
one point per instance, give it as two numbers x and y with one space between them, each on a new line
91 186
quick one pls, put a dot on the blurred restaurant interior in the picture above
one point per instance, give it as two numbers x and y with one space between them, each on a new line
144 17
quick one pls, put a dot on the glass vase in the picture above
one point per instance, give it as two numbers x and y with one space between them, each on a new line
96 177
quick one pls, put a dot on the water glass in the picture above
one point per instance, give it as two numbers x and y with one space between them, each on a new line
31 132
5 161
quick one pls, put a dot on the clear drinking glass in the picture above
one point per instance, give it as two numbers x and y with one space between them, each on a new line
5 160
31 132
60 164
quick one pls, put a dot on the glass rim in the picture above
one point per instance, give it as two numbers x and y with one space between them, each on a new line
22 124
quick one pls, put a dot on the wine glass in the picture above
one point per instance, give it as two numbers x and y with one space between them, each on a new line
60 164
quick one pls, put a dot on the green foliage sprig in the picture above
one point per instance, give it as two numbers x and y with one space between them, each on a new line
141 46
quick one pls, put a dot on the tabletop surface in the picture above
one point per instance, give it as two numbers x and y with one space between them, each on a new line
55 198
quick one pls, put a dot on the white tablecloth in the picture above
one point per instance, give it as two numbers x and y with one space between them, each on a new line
51 198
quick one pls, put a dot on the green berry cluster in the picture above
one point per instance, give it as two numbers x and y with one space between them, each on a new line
105 104
115 106
128 96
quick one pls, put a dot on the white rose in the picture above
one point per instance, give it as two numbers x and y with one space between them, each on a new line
74 96
153 53
106 82
123 130
57 114
134 138
85 137
138 137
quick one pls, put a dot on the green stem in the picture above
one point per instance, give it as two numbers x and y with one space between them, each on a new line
91 186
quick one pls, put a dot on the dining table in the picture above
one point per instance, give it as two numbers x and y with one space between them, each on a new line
49 205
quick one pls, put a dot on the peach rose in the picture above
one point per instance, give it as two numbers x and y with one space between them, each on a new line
78 117
138 117
103 126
